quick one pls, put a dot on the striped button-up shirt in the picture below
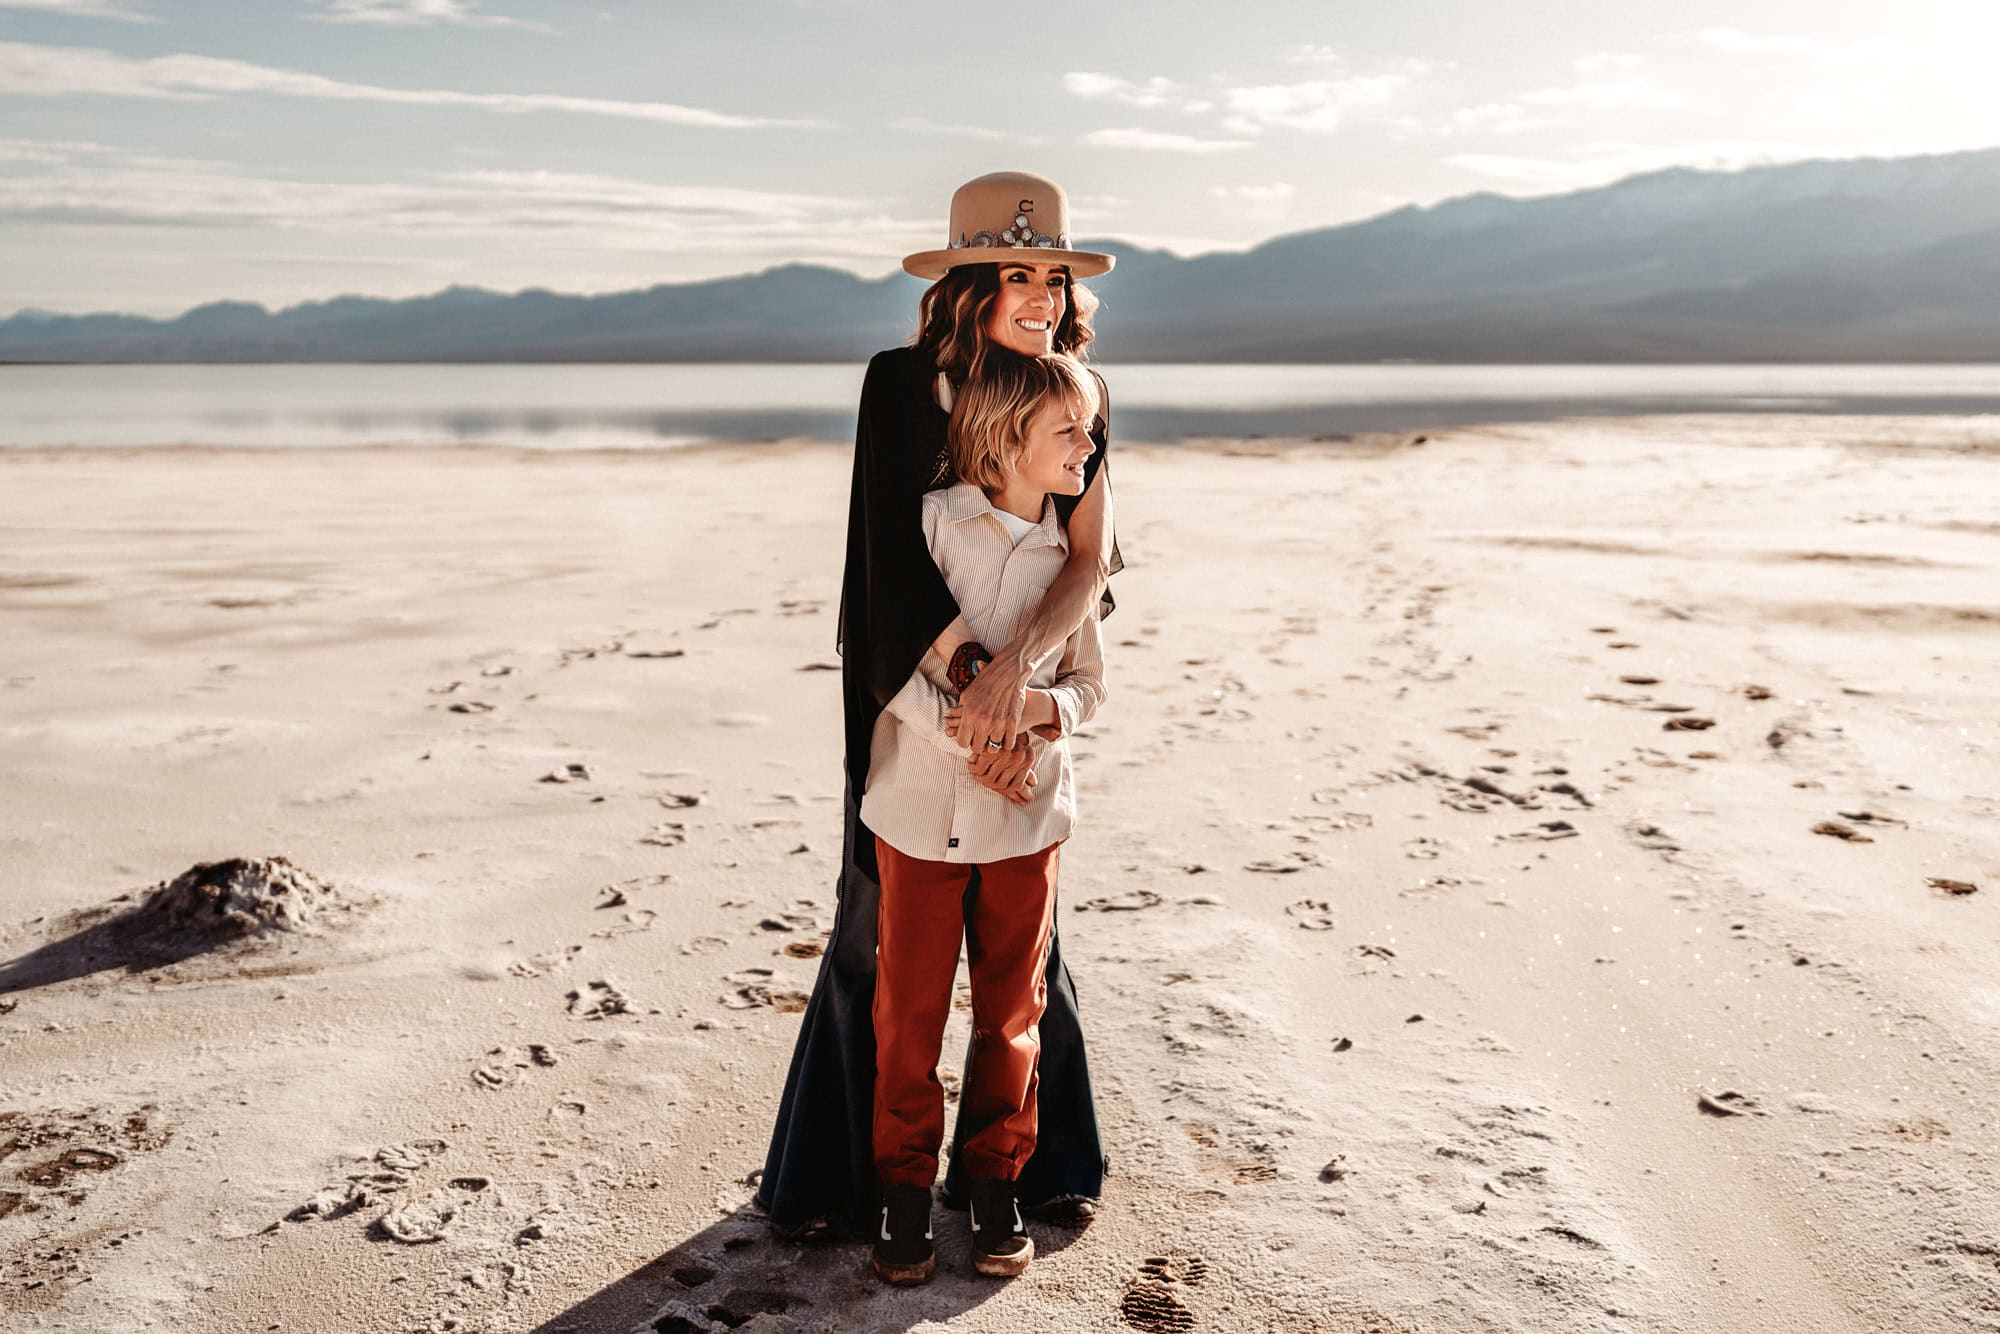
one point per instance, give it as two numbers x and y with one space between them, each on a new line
921 797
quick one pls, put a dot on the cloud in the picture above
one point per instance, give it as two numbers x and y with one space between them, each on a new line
1601 163
1821 52
918 125
1276 192
1608 62
1609 96
85 9
1095 87
1319 105
1494 118
1267 203
420 14
59 71
1315 105
47 150
546 211
1154 141
1313 53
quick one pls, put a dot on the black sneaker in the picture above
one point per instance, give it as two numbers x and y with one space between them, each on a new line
1001 1245
1072 1211
903 1252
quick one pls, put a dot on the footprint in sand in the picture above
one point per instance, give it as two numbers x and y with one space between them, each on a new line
749 1306
585 654
1872 818
1652 837
1289 864
391 1170
68 1152
1727 1103
506 1065
755 989
1243 1164
1546 831
1131 901
598 1000
548 961
1312 914
629 923
668 834
799 917
618 894
1152 1299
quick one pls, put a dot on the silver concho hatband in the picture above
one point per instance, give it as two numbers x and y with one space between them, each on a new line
1020 237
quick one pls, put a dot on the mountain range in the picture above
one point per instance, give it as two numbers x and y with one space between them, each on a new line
1862 259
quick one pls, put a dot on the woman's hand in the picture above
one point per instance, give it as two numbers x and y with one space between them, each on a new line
990 708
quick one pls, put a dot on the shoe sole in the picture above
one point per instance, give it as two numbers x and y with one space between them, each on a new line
1004 1266
903 1276
1075 1213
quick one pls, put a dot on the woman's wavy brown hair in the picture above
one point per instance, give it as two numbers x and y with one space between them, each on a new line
951 320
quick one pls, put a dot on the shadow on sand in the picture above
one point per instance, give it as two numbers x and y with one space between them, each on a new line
737 1275
239 904
124 939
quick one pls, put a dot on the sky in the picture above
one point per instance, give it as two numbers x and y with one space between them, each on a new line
158 154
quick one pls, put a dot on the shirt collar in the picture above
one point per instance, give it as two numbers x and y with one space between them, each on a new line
965 501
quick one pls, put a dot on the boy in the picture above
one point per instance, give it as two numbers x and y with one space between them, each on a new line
957 857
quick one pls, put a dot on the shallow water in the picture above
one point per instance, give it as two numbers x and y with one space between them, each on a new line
656 406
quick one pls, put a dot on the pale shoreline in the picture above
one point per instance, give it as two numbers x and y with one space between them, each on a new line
209 654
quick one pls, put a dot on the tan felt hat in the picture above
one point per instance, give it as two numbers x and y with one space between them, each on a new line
1009 215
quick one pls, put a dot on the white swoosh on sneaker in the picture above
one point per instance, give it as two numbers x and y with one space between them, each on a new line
1019 1226
885 1226
974 1211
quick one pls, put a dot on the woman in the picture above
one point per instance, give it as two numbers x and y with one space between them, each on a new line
1004 286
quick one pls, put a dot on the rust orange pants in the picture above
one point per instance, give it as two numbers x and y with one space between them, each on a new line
1003 911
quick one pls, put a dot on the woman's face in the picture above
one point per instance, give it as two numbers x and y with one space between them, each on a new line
1032 301
1057 446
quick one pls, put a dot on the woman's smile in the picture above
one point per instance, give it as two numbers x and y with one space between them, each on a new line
1029 305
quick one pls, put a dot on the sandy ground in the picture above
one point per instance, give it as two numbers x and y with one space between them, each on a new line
1453 936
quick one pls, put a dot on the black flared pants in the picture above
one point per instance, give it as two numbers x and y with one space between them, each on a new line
821 1169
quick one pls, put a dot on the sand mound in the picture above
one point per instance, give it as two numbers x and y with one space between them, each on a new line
239 897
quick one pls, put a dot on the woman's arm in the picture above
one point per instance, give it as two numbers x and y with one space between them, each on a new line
990 708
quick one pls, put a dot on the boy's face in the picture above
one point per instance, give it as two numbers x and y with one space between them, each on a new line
1029 306
1056 448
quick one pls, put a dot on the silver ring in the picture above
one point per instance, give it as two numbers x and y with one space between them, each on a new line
991 744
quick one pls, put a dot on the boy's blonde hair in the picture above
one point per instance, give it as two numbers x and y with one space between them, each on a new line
990 416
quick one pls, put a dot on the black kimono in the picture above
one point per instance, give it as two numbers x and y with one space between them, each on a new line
893 605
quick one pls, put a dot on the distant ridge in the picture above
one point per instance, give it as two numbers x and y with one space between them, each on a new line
1866 259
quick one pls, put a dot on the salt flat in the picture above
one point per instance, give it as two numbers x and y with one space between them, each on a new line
1454 942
